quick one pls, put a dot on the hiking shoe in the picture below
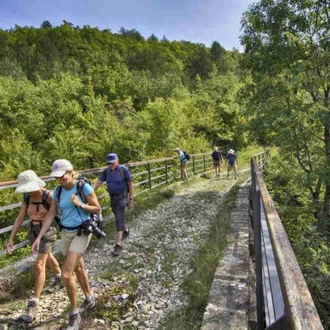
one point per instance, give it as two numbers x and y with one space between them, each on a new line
87 304
74 321
117 250
125 234
57 282
31 312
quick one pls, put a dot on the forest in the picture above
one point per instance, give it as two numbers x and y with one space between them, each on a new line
79 93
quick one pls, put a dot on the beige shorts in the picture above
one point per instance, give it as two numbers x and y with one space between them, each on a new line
231 167
72 242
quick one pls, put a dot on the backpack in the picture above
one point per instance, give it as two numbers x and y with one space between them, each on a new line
44 201
186 154
217 155
122 173
81 180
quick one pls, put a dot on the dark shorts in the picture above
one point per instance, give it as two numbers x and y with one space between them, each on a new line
216 163
47 242
118 204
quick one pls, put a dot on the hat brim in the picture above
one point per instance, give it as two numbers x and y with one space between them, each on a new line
113 161
57 174
30 186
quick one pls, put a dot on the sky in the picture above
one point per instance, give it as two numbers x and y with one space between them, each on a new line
198 21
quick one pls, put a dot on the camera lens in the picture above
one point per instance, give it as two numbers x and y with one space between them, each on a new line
98 233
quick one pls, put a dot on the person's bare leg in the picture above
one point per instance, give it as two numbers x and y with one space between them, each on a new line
120 237
68 268
53 263
82 277
40 274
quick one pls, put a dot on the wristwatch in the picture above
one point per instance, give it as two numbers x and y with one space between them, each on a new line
130 198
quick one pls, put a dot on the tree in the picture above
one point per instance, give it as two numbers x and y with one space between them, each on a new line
134 34
153 38
287 49
216 51
46 24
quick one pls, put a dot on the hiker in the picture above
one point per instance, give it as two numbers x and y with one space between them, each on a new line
231 162
184 163
35 204
121 191
217 160
75 213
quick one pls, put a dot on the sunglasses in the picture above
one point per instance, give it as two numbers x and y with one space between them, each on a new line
60 177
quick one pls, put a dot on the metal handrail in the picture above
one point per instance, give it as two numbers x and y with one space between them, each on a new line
292 307
144 174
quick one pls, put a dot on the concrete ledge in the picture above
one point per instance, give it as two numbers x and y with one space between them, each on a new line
228 305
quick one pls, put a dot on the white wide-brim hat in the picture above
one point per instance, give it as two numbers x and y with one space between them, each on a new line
28 181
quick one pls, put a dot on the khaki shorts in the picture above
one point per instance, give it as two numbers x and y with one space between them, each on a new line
231 167
47 242
72 242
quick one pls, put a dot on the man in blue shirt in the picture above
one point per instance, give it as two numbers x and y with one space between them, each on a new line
217 160
120 187
231 162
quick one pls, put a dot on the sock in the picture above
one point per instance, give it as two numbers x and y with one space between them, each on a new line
35 299
74 312
58 275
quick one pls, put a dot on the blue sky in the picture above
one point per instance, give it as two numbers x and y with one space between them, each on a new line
200 21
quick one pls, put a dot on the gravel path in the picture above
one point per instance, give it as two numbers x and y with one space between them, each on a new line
154 261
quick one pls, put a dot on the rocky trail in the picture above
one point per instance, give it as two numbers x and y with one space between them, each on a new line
145 280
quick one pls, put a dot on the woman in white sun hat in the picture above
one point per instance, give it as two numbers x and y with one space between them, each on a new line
75 212
35 204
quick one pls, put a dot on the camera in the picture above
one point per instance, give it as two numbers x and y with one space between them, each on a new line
94 226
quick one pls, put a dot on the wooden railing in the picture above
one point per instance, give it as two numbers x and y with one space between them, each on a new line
283 299
146 175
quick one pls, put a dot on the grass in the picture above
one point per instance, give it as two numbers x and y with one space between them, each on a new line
245 155
197 285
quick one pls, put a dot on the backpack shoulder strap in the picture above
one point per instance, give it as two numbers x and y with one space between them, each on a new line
44 199
80 187
122 172
59 190
26 199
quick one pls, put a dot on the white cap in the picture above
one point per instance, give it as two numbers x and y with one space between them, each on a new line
231 151
60 166
28 181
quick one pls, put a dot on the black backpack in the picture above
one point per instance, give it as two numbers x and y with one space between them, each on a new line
186 154
81 181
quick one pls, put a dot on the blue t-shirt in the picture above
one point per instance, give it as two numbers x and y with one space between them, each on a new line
71 215
216 155
231 158
115 182
182 156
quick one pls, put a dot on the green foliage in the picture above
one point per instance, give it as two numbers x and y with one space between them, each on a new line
79 93
285 182
289 92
